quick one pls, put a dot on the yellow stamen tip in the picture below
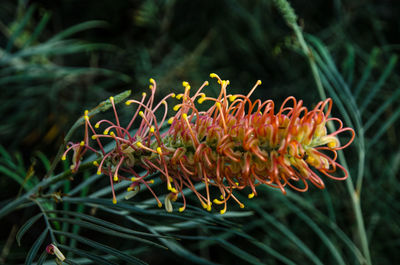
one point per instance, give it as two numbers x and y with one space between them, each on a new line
185 84
105 131
114 201
159 204
99 172
251 195
222 211
206 83
111 98
173 190
227 82
173 95
151 181
152 129
232 98
176 107
259 82
152 81
129 189
216 201
139 144
95 163
115 177
201 100
159 151
63 157
170 120
179 96
82 143
331 144
141 114
204 205
128 103
241 205
144 94
209 207
184 116
181 209
151 86
218 104
133 179
94 137
96 125
86 112
213 75
86 117
221 197
112 134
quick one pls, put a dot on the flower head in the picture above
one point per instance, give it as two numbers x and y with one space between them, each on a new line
235 144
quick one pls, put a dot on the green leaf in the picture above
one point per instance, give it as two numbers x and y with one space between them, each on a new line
104 230
103 248
42 258
78 28
35 247
21 25
26 227
96 258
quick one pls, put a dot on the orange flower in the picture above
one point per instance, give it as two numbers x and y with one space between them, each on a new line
235 144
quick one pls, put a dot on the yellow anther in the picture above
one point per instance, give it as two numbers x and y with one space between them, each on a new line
133 179
221 197
259 82
185 84
227 82
187 88
201 100
144 94
82 143
99 171
106 131
179 96
206 83
184 116
111 99
152 129
310 159
222 211
141 114
139 144
152 81
223 82
209 207
115 177
241 205
173 95
151 181
332 144
216 201
129 189
173 190
218 105
232 98
159 205
94 137
204 205
170 120
159 151
97 125
114 201
181 209
128 103
251 195
213 75
151 86
112 134
63 157
95 164
176 107
237 183
86 112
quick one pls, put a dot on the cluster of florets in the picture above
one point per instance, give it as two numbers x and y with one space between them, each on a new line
235 144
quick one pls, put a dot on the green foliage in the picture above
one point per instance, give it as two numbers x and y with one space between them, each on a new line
48 78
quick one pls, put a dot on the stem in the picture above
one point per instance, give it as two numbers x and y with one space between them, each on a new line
290 17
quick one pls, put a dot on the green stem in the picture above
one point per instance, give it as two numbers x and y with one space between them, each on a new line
290 17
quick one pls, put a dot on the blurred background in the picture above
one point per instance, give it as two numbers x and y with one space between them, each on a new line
58 58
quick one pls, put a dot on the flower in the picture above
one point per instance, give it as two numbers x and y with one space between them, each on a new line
235 144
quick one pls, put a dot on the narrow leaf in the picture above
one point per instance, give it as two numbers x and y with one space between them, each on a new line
26 227
35 247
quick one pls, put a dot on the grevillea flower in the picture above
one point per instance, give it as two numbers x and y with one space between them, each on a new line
235 144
